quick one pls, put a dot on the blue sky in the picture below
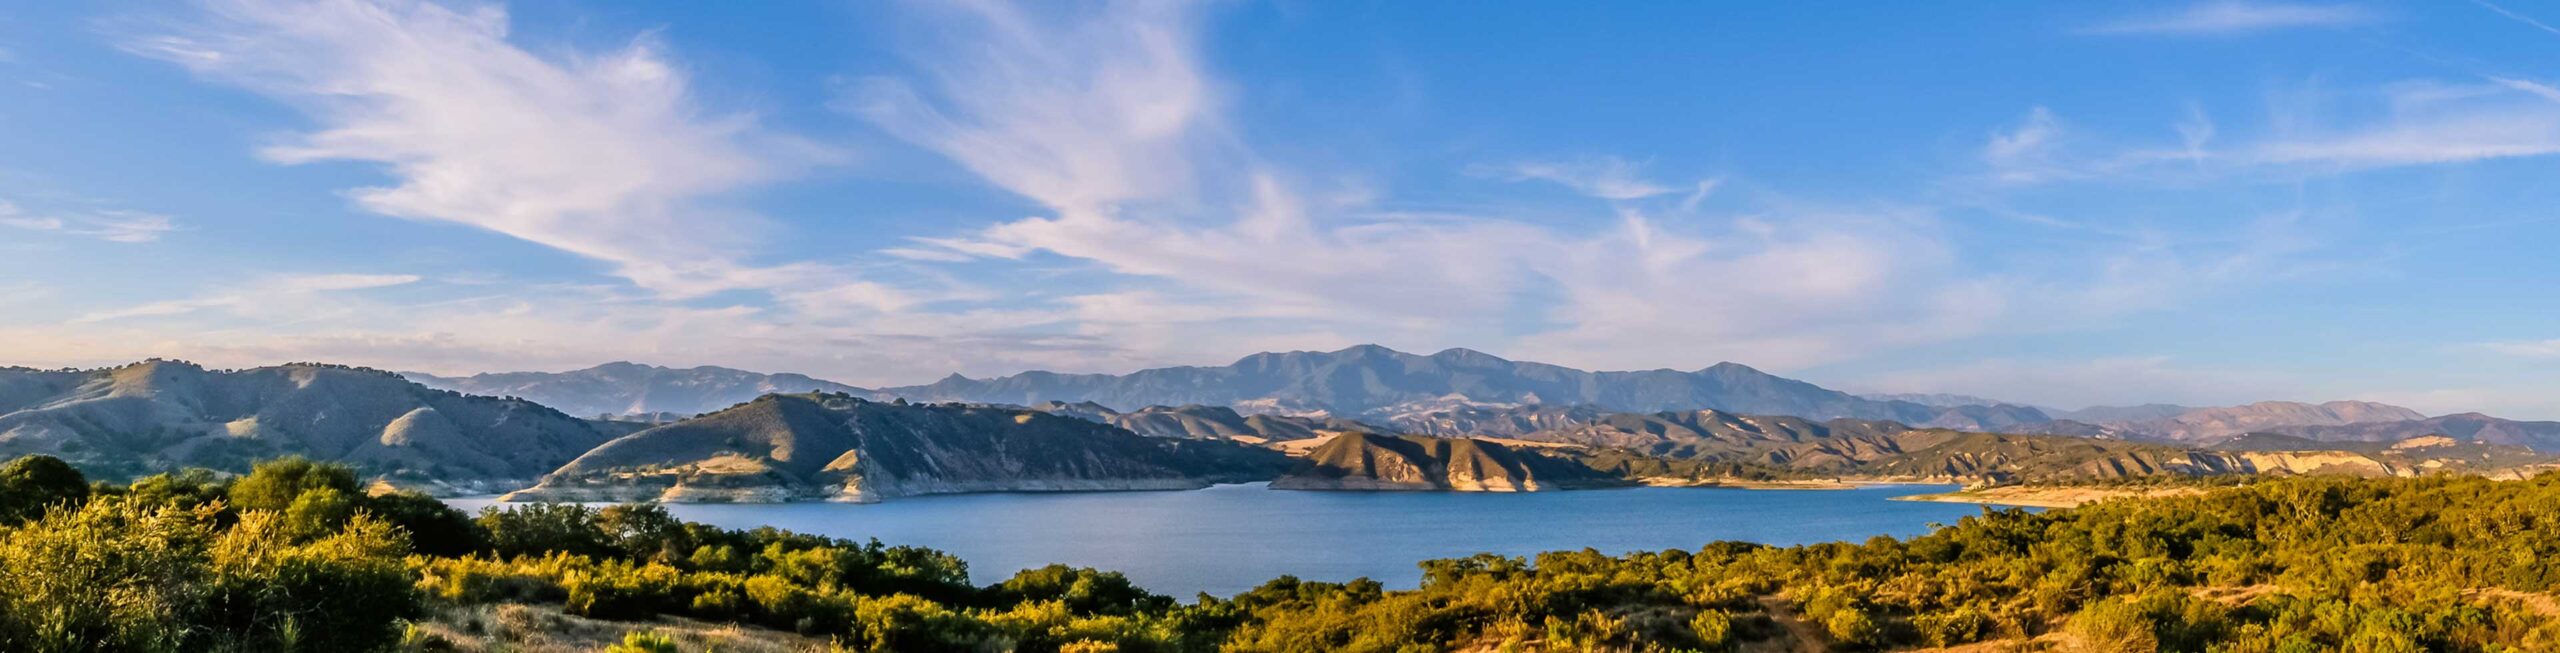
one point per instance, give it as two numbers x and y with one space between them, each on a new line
2066 204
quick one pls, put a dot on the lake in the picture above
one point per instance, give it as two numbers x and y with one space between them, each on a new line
1230 538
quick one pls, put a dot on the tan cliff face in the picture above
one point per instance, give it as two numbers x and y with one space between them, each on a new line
1361 461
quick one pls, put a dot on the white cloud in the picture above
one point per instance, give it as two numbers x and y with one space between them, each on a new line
2426 123
2537 89
1080 112
2453 137
2222 17
606 155
106 224
1606 177
20 293
1114 124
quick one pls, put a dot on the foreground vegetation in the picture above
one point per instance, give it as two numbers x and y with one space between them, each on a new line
293 557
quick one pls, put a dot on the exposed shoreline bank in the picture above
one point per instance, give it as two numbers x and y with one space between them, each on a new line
2028 496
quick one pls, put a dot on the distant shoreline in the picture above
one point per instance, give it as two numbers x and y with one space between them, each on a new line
2024 496
1816 485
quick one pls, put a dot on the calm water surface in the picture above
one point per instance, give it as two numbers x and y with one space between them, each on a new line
1227 539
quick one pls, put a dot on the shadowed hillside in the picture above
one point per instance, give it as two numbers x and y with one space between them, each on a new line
838 447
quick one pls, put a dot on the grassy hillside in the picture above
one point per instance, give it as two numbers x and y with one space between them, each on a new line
782 447
160 415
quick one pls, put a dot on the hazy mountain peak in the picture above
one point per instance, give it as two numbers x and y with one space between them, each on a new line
1375 382
1939 399
1369 351
1465 356
628 388
1730 368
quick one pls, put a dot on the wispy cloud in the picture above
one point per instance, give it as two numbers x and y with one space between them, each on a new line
2227 17
2416 123
1604 177
23 292
268 292
2521 18
2026 153
1113 123
104 224
606 155
2527 348
2428 124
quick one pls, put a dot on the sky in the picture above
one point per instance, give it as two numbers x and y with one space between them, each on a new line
2059 203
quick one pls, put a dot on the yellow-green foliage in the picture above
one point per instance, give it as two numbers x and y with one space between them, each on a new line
122 576
2308 564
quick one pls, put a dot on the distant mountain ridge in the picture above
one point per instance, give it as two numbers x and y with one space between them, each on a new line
1940 399
2207 424
623 388
1208 422
1450 393
1373 382
2463 427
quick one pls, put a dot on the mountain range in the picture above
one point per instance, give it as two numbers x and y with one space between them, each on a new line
1209 422
1373 382
159 415
1460 392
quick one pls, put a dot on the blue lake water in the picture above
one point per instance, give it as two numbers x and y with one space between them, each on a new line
1227 539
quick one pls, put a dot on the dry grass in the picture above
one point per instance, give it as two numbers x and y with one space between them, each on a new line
518 628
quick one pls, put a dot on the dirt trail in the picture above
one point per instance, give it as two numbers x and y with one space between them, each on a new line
2541 604
1801 637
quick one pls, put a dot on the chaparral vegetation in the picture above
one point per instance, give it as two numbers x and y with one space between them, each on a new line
295 556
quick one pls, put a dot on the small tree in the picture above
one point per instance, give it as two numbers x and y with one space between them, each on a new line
32 484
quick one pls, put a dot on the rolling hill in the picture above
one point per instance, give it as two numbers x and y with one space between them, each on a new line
160 415
843 448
